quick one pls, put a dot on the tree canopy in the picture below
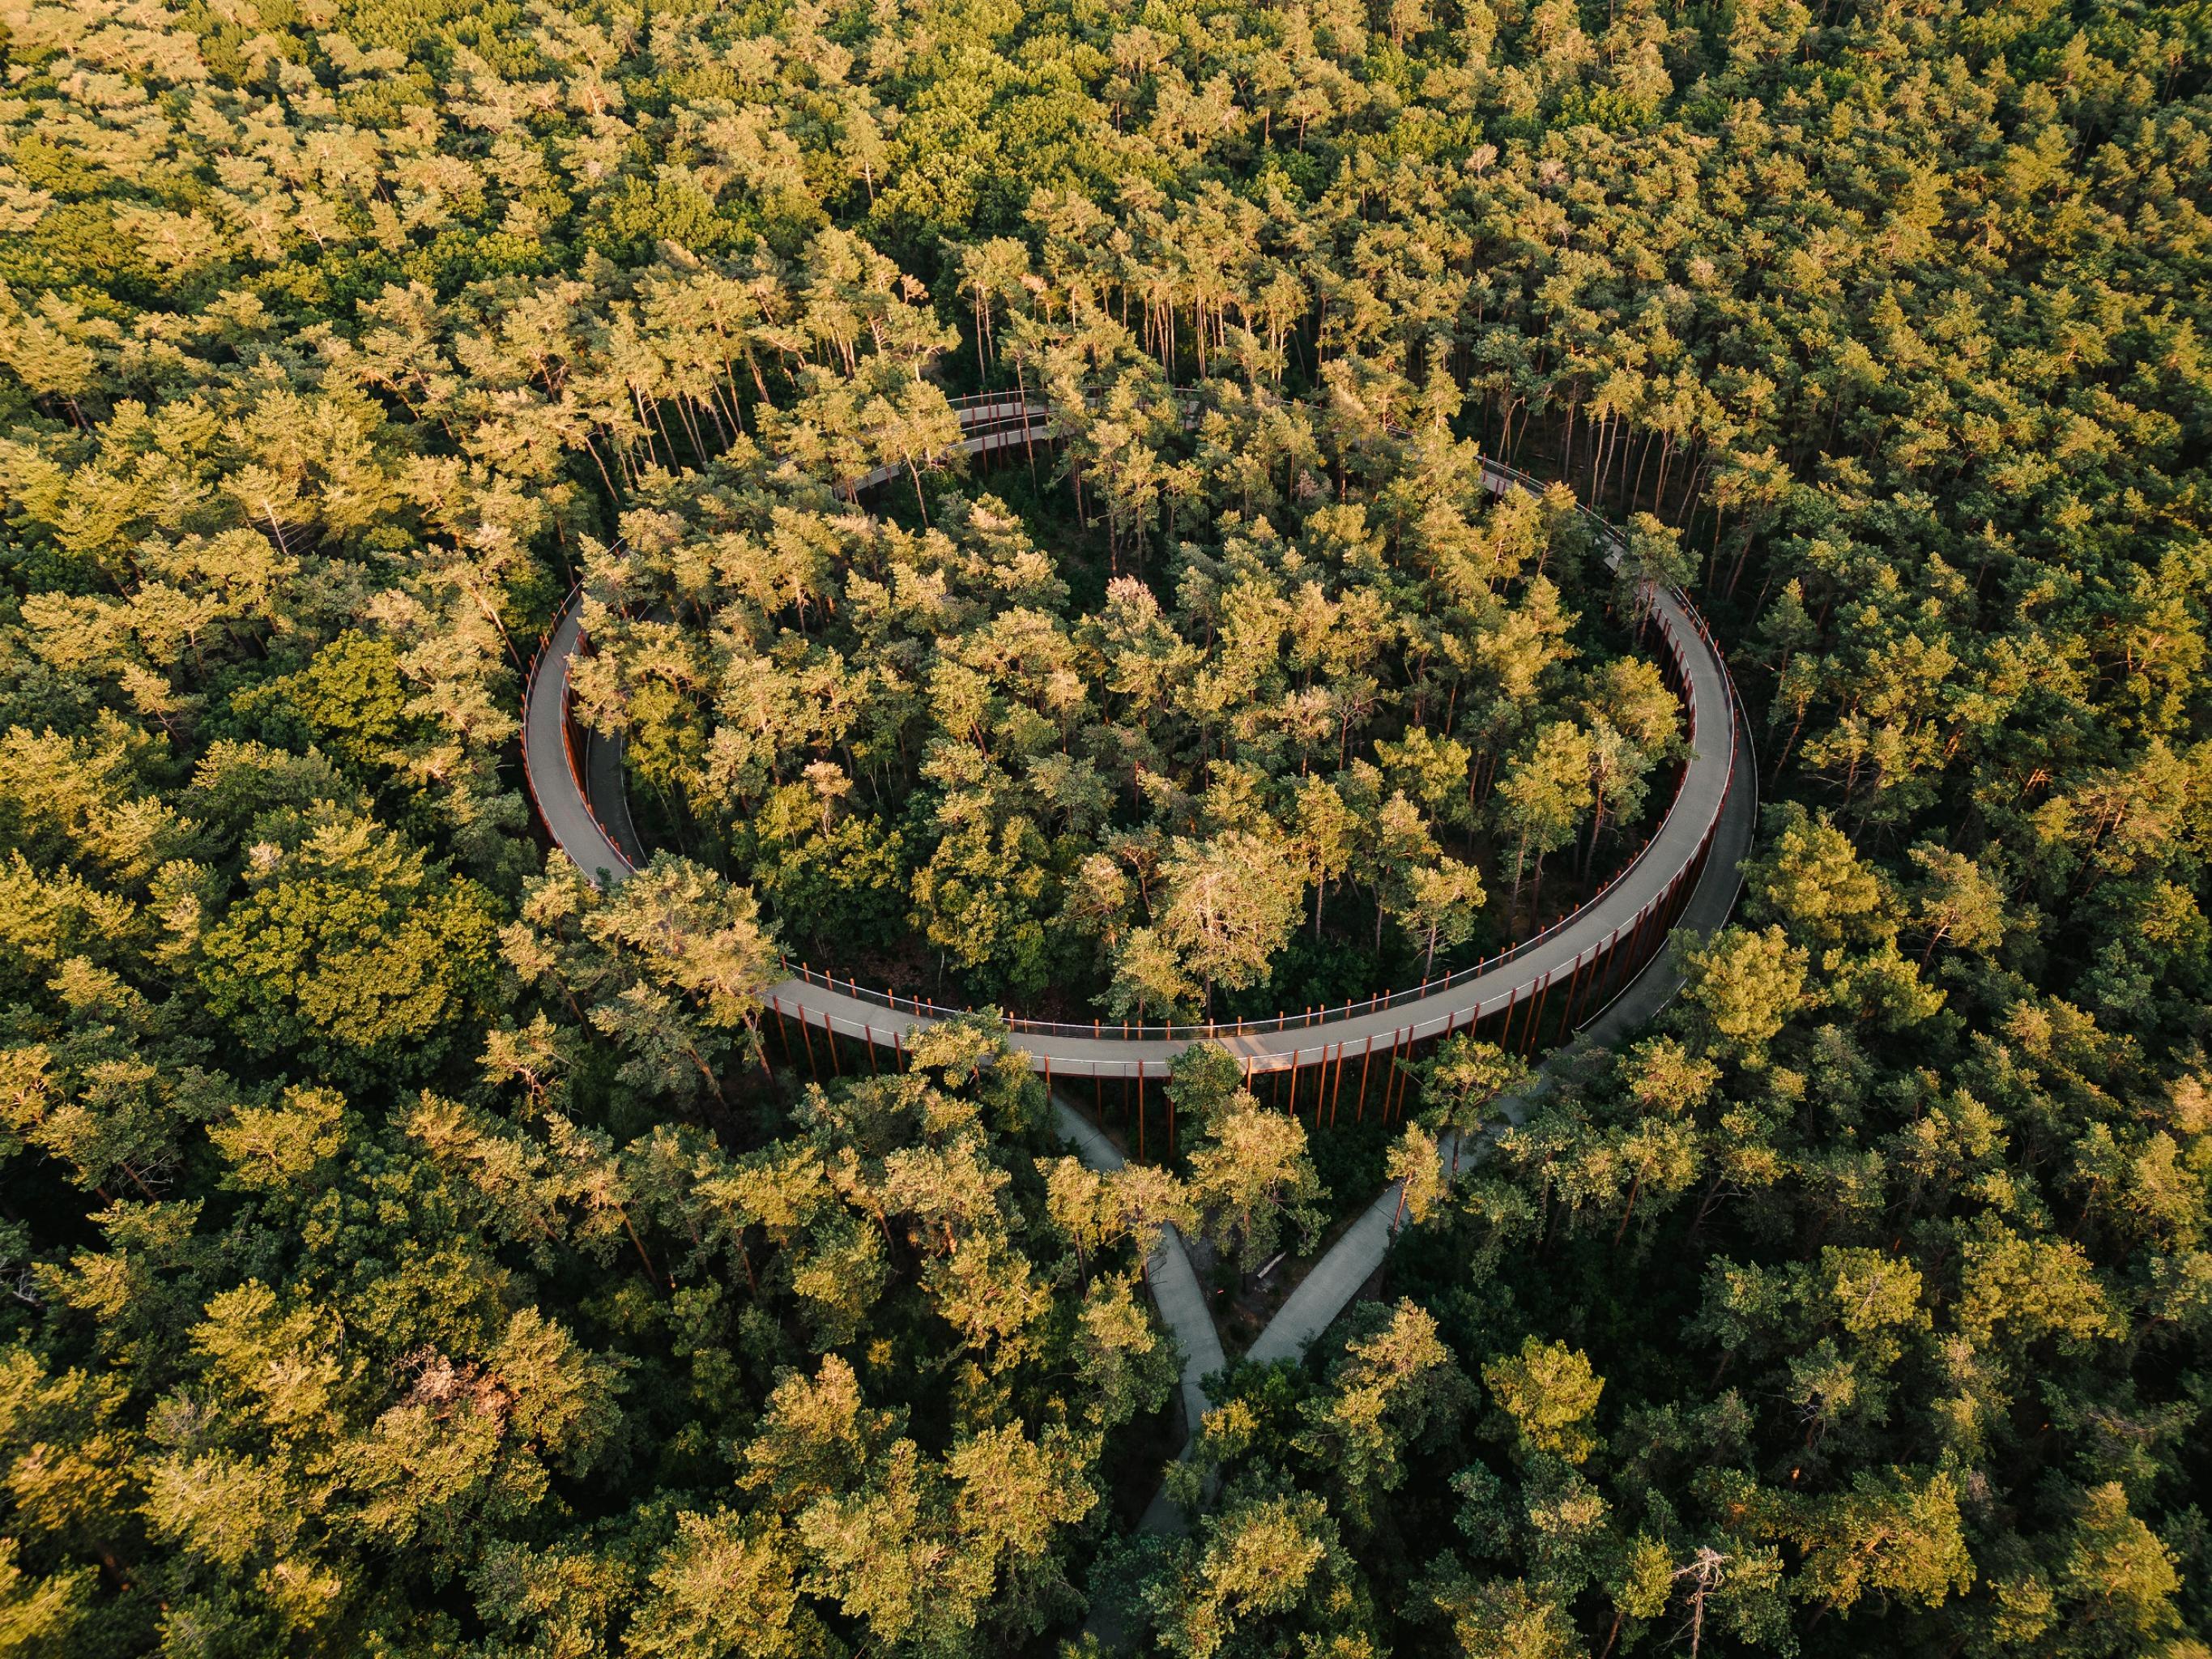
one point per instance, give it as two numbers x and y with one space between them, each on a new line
409 1248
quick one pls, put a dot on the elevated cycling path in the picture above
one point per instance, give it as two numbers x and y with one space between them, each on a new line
1556 982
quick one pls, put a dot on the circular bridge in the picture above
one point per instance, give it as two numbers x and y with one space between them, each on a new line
1540 990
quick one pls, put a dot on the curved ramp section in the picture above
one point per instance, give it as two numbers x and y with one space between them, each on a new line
555 757
1332 1282
1564 977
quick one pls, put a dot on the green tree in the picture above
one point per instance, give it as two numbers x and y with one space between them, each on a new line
1460 1081
1542 797
1413 1165
1230 905
1441 907
1742 990
347 949
1957 903
1547 1393
1394 1387
1249 1177
670 967
1262 1572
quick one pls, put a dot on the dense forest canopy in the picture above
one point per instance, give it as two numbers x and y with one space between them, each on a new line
409 1248
870 724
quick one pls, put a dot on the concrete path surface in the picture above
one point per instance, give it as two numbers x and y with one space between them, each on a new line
551 765
1181 1303
1168 1272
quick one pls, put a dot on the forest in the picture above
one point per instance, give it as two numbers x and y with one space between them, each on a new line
413 1247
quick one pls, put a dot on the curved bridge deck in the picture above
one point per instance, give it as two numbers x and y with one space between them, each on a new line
1554 982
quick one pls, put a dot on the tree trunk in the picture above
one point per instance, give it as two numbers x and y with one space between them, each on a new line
920 505
1635 1186
1589 853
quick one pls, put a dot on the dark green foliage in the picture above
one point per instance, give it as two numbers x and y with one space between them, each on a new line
355 958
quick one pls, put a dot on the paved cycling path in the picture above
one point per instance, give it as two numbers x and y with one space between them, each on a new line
1168 1272
1629 917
